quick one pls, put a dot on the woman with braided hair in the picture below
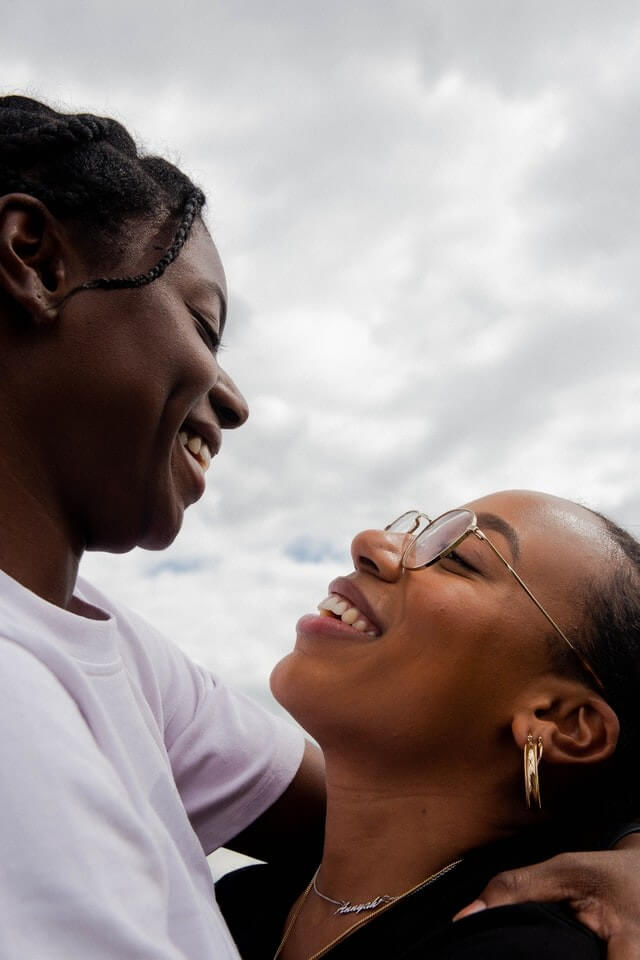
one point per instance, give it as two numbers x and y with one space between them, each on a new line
123 763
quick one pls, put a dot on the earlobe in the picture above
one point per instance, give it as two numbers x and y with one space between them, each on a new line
32 269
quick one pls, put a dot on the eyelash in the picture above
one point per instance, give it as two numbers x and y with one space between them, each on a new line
453 555
210 338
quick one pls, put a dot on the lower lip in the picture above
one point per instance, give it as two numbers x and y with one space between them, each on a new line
195 470
329 628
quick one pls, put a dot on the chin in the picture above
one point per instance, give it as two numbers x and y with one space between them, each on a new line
159 539
293 686
280 682
161 526
155 531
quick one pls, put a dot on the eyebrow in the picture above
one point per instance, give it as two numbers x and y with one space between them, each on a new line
493 522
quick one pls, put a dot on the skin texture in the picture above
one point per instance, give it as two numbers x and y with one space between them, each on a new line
409 789
451 637
93 393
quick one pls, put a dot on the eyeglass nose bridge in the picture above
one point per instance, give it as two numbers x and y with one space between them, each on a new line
471 526
420 521
414 516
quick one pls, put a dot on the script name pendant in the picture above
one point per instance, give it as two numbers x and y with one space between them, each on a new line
349 907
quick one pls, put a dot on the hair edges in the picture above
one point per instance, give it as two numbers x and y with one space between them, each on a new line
191 211
611 642
87 171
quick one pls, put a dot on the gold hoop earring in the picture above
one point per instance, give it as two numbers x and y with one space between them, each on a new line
532 755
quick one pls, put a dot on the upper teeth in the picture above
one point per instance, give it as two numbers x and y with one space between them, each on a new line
198 447
349 614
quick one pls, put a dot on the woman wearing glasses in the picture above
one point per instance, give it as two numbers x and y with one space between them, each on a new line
473 685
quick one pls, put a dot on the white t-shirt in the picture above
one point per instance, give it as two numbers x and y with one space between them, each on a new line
122 764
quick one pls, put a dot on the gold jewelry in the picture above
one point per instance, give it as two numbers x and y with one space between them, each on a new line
384 904
532 756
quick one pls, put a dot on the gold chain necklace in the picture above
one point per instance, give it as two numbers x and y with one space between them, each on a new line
359 923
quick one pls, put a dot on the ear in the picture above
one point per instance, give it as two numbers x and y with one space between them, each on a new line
576 725
32 270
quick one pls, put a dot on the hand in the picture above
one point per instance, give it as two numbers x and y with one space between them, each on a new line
602 888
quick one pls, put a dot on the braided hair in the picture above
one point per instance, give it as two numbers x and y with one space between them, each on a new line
88 172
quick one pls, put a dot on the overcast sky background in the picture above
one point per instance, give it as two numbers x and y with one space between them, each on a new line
428 213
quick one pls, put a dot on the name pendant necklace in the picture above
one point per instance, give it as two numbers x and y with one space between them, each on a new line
345 907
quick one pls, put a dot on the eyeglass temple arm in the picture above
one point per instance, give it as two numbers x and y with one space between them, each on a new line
548 616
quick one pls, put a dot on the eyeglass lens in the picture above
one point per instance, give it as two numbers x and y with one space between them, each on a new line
438 538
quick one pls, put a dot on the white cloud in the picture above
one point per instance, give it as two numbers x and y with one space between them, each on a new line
428 217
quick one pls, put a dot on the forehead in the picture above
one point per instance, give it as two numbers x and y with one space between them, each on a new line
201 264
559 541
197 271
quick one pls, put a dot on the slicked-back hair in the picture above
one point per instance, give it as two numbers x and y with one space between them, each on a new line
614 649
88 172
609 638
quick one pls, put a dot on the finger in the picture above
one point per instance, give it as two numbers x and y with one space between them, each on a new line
476 907
562 878
621 947
546 881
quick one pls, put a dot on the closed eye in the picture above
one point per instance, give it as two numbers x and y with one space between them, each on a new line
457 558
210 336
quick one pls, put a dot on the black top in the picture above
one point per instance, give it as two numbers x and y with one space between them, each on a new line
620 832
256 900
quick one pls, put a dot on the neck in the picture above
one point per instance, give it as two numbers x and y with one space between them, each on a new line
35 547
385 836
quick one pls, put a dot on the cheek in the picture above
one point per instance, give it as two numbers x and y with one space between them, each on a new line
201 370
187 365
449 651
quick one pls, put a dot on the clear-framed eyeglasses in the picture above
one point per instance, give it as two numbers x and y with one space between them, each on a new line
435 539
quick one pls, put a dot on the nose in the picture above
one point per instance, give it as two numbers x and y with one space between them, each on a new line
229 405
379 553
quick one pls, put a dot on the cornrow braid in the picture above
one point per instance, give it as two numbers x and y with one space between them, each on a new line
63 134
191 210
87 170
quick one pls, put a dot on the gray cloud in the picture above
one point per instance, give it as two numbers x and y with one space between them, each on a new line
428 218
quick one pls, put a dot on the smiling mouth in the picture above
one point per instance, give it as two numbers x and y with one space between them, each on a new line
340 609
197 447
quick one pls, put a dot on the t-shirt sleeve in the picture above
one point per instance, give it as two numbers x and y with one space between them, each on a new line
80 876
231 759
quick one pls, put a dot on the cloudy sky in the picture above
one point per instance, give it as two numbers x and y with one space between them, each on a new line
428 213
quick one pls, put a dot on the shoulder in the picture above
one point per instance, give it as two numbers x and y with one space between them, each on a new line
167 678
46 731
528 930
28 683
155 660
135 633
